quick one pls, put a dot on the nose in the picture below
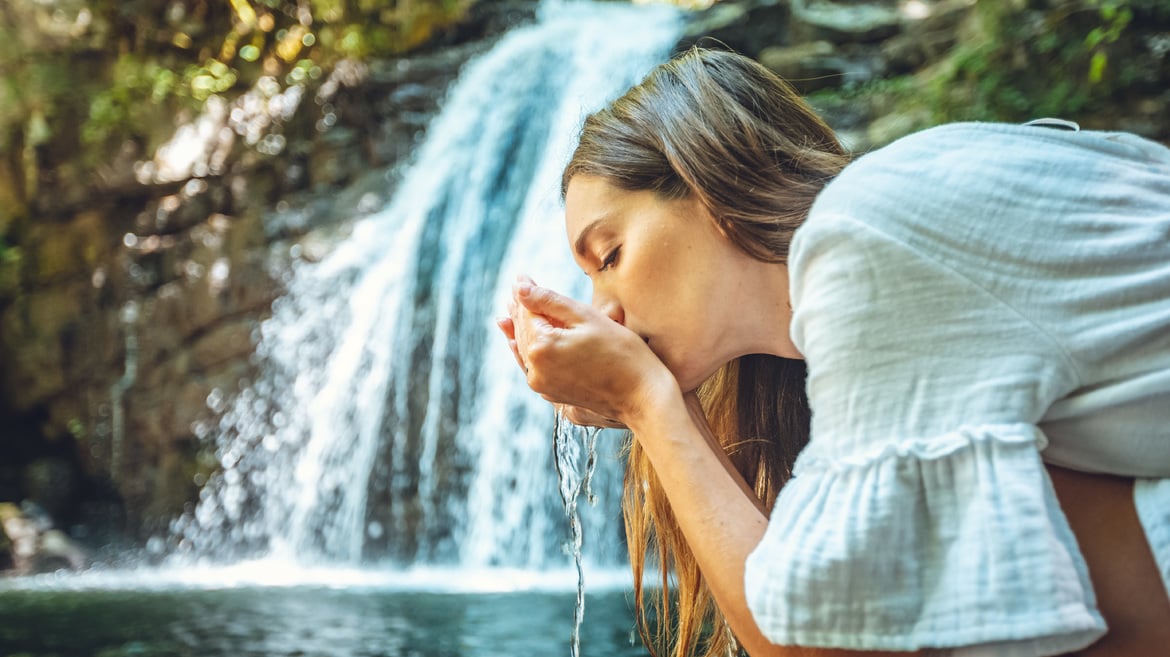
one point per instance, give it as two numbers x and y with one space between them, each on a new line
609 306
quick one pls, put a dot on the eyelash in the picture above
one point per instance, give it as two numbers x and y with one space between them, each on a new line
609 259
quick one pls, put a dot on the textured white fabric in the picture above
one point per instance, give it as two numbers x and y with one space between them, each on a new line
969 300
1152 499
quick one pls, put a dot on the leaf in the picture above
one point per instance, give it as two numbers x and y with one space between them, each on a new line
1097 66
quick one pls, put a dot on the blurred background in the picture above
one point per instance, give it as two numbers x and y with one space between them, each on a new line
250 254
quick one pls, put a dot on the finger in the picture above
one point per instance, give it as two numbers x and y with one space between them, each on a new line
507 326
558 308
516 354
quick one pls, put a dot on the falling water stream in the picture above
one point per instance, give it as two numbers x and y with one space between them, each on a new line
573 480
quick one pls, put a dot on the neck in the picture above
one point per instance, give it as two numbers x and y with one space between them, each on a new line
766 328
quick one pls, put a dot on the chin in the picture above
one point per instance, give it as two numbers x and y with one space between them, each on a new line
689 378
690 374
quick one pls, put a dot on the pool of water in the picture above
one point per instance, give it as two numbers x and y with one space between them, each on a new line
315 619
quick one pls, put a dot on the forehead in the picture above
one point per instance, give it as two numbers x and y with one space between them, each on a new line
590 192
590 199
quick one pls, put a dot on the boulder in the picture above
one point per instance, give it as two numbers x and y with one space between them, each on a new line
844 22
816 65
31 545
747 27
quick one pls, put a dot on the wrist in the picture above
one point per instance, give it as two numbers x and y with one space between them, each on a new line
653 402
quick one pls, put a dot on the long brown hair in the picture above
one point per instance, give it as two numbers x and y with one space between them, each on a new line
720 127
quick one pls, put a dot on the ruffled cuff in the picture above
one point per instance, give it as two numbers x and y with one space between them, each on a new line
952 541
1151 498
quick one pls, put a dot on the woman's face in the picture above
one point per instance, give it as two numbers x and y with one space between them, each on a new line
664 270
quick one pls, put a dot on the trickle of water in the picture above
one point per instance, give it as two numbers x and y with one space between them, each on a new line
569 441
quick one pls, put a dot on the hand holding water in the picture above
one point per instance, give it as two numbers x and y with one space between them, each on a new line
586 418
597 371
574 414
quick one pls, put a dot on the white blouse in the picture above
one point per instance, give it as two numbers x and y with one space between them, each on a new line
972 301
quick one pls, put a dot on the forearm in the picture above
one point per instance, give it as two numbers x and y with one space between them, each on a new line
1130 593
716 510
718 513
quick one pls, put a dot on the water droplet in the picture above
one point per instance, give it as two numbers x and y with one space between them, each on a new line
215 400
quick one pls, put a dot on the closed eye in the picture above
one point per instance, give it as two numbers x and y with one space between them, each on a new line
610 259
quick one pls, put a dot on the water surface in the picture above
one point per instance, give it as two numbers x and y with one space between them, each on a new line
309 621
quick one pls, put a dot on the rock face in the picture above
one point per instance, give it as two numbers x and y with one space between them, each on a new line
131 289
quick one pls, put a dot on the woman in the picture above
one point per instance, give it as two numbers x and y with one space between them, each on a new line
984 313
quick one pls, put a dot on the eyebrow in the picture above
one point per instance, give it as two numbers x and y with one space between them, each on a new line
579 244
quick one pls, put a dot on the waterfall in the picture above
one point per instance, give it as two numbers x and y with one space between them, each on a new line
389 423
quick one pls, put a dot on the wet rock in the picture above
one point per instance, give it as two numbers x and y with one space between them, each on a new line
845 21
746 27
32 546
58 551
930 30
20 537
808 66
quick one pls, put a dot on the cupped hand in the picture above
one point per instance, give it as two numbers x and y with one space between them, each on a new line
585 418
575 356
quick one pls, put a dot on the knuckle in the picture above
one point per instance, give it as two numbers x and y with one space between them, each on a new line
539 354
537 382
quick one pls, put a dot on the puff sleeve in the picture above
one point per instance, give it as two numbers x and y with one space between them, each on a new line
920 514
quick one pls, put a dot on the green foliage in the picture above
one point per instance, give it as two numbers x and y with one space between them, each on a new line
138 84
76 428
213 77
1115 17
1027 61
270 37
133 65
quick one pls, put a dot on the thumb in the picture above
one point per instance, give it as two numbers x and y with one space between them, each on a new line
558 308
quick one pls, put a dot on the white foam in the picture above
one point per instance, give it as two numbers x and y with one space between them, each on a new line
280 574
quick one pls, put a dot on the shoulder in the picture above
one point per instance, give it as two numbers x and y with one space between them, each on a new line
938 169
990 167
930 178
981 197
982 146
